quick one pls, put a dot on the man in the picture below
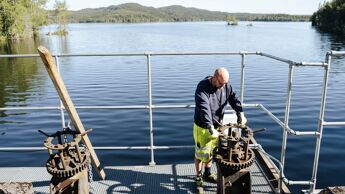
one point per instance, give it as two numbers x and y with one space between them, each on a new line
211 97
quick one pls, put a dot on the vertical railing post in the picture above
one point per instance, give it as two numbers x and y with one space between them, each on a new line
242 77
320 124
286 124
149 77
62 112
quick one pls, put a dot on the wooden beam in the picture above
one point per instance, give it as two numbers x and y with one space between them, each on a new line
68 104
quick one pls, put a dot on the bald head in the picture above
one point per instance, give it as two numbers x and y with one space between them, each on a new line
220 77
222 74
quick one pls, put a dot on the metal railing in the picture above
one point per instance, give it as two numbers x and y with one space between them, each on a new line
285 125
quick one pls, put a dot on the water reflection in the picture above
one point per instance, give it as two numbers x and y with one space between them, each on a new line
18 76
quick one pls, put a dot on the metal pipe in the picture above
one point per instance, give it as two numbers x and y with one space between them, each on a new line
307 133
290 182
333 123
20 56
242 77
149 80
310 64
337 53
9 149
174 106
320 124
31 108
205 53
250 105
62 113
102 107
286 121
101 55
276 58
129 54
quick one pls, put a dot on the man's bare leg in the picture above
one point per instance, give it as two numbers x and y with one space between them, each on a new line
198 167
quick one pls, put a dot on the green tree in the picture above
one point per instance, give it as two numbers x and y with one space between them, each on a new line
60 11
21 18
330 17
39 16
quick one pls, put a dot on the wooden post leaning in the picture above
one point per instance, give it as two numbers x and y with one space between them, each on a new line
68 104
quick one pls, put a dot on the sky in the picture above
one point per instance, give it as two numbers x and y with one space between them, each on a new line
303 7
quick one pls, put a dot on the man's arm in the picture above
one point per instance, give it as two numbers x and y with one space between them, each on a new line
234 102
237 106
202 104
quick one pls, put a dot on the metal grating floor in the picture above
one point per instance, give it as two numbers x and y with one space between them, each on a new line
174 178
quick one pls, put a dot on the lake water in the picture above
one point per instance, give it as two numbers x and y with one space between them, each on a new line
122 81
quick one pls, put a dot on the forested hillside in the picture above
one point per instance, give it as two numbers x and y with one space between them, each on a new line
23 18
132 12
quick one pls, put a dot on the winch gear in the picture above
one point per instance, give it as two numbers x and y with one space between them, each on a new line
232 152
235 166
73 167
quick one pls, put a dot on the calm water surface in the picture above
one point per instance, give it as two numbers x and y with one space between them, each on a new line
122 81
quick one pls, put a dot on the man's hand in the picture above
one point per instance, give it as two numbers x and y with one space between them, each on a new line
213 132
241 119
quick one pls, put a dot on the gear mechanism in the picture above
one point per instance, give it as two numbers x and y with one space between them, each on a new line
66 159
232 153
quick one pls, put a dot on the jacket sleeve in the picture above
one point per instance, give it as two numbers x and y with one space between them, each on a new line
202 104
234 102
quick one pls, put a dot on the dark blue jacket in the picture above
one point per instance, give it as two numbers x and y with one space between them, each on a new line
210 103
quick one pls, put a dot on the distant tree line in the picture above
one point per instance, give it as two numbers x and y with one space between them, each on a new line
330 17
135 13
279 17
23 18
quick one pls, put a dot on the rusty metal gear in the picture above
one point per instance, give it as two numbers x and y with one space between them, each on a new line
232 152
66 159
72 165
235 165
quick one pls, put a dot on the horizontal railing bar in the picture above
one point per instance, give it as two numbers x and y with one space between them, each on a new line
174 106
130 54
307 133
102 107
250 105
317 64
206 53
175 54
290 182
337 53
110 148
101 55
19 56
32 108
333 123
100 148
143 147
292 132
22 148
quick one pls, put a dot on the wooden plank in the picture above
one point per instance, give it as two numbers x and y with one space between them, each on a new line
68 104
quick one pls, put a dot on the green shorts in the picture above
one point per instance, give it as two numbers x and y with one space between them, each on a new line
204 143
